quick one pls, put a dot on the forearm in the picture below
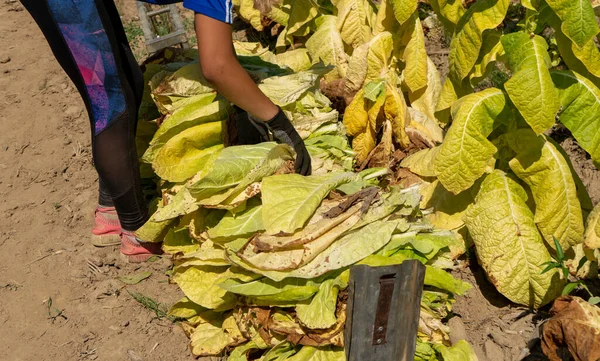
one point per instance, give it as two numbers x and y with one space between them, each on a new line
222 69
234 83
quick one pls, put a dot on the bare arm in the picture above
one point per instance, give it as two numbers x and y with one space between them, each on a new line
222 69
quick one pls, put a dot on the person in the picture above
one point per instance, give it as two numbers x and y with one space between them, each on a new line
88 40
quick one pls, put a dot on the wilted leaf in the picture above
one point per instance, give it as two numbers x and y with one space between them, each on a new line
136 278
344 252
574 325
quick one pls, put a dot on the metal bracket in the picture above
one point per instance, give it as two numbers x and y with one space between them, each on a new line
383 311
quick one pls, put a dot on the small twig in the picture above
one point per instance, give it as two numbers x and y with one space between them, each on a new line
42 257
153 348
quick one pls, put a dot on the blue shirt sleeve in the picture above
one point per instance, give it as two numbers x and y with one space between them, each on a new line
221 10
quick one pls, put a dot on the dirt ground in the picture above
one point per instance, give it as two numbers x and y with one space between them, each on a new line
60 298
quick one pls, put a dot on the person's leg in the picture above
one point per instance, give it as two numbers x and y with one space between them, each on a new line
82 37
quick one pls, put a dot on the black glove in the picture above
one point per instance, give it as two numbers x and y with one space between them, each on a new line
284 131
248 130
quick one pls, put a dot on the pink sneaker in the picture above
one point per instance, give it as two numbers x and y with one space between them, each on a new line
135 251
107 229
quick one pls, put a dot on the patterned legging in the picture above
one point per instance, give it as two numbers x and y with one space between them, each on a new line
88 40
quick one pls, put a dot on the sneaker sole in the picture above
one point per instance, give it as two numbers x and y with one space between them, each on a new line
106 240
135 258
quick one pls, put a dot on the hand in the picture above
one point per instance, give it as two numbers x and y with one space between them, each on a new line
249 131
284 131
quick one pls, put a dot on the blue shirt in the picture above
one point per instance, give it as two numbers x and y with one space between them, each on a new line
221 10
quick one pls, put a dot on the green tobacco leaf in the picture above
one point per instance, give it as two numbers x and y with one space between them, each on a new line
509 247
415 55
580 100
229 169
426 99
309 353
449 208
368 62
491 50
302 13
557 209
244 223
373 89
451 92
592 230
326 45
289 200
404 9
182 203
449 12
288 290
188 152
466 152
250 14
397 113
153 231
344 252
178 239
531 88
354 19
443 280
461 351
185 308
201 285
320 312
201 111
185 82
210 339
421 162
240 353
136 278
578 19
584 60
466 43
297 60
287 89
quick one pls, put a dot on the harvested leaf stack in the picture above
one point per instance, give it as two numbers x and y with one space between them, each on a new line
262 255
